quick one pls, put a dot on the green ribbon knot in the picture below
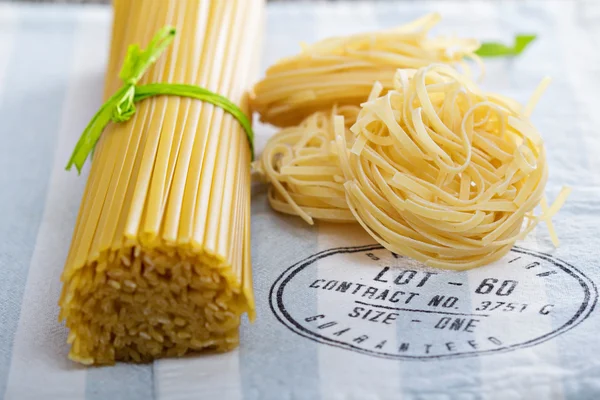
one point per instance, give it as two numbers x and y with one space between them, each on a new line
120 107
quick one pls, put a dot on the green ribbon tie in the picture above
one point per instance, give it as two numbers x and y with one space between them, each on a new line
496 49
120 107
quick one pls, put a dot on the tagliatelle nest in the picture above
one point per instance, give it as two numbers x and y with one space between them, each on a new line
434 169
341 70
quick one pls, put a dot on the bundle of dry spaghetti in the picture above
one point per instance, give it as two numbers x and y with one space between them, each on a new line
160 258
342 70
434 169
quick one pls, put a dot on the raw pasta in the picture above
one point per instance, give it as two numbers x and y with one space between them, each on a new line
435 169
159 263
342 70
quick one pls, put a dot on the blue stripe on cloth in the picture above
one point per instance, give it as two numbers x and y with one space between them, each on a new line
120 381
579 230
286 380
287 26
26 154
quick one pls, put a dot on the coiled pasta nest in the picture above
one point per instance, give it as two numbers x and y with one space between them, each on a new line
342 70
434 169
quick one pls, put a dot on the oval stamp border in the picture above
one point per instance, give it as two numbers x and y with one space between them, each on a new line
278 308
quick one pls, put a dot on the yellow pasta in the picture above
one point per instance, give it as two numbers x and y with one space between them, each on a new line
435 169
159 263
301 164
342 70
